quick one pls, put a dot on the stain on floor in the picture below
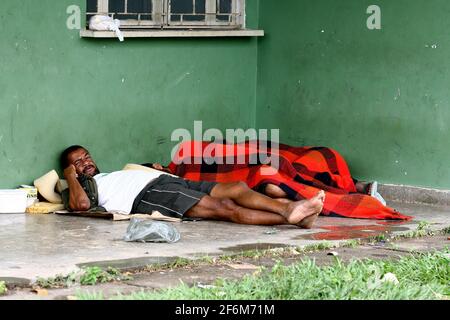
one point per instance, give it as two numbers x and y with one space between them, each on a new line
351 232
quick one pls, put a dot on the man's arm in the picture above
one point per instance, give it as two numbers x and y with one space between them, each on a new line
78 199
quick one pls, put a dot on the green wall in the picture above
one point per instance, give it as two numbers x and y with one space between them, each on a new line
121 100
379 97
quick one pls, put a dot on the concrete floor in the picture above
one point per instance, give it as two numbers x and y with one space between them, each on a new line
34 246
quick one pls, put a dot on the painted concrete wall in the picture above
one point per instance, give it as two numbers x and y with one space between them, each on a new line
121 100
380 97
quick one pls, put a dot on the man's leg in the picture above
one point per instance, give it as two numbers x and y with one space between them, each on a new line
274 191
178 197
228 210
293 212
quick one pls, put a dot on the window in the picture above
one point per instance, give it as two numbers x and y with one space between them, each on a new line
172 14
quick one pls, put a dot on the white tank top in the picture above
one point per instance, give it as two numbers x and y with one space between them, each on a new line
117 190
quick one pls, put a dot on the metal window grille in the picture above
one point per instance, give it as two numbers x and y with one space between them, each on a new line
180 14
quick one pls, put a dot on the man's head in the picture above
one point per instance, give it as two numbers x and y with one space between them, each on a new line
80 158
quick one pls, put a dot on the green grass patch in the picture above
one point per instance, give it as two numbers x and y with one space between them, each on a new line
94 275
352 243
323 245
248 254
383 237
422 230
424 276
3 288
87 276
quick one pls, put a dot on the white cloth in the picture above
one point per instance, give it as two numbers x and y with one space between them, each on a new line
106 23
117 190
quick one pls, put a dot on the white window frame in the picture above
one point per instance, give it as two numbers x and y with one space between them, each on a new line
156 22
161 16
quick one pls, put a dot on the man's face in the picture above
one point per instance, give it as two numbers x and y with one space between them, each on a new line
83 162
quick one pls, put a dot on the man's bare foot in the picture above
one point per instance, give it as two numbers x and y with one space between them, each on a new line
308 222
299 210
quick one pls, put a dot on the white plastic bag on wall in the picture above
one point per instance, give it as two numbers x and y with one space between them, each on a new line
106 23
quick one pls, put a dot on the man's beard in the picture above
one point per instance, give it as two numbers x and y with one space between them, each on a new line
96 172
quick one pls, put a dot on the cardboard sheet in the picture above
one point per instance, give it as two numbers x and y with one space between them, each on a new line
117 216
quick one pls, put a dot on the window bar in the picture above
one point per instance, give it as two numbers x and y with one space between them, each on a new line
217 10
158 12
240 18
210 10
231 16
103 6
194 10
165 11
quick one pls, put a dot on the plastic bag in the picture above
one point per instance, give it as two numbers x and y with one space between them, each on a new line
151 231
374 193
106 23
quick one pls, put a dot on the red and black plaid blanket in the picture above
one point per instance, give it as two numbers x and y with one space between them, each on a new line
302 172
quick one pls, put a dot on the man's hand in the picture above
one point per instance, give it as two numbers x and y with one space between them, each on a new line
70 172
158 166
78 199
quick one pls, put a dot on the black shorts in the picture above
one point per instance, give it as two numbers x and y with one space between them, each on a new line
171 196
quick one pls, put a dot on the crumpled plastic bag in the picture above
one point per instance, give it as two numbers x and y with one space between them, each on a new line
151 231
106 23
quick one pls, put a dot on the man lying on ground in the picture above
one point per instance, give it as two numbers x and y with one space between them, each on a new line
135 191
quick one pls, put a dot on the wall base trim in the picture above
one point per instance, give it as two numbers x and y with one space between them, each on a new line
411 194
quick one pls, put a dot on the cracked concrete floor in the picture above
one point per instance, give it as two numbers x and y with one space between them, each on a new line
34 246
205 274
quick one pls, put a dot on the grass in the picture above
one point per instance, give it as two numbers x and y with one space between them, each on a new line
3 288
87 276
424 276
352 243
422 230
380 238
95 275
249 254
323 245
